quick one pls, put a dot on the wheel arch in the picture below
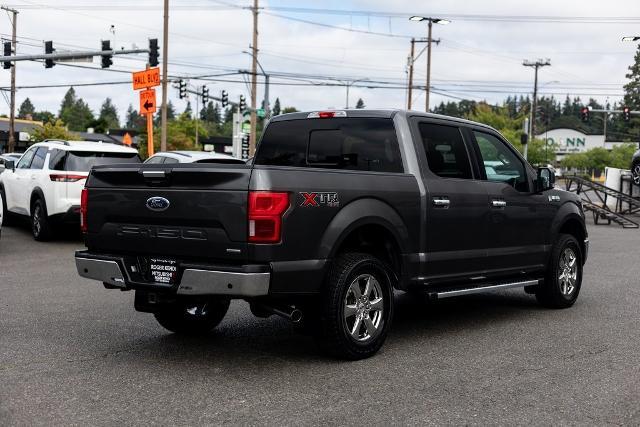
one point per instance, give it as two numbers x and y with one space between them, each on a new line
570 221
36 194
372 226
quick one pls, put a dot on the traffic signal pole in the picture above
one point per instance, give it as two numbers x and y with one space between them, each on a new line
254 79
11 143
165 54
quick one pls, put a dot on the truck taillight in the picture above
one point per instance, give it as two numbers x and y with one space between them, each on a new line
84 198
65 177
265 215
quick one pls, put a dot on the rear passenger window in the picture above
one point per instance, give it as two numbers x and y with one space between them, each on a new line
169 160
56 160
446 153
365 144
38 158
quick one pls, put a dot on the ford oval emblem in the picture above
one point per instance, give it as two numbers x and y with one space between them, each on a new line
158 204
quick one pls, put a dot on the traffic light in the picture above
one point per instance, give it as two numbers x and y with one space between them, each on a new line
106 59
626 114
153 52
584 114
7 52
48 48
242 105
205 95
182 87
225 99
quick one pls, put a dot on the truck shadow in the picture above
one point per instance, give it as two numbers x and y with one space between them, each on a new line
246 340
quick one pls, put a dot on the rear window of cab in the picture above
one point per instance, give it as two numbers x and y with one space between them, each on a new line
365 144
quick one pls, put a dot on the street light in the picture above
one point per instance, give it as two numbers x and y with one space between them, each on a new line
267 107
431 21
630 38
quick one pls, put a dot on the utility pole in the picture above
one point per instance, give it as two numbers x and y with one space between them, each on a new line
254 79
428 66
536 65
11 143
413 49
430 21
165 54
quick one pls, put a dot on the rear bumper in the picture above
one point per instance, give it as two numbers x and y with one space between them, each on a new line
71 216
238 281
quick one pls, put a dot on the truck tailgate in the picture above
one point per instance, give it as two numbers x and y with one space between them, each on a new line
187 211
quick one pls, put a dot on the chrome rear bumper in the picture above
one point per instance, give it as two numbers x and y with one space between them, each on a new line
194 281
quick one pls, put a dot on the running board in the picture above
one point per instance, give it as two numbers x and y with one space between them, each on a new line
477 290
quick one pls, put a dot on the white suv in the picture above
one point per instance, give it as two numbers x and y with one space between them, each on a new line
47 181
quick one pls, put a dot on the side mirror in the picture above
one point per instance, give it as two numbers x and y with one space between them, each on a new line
546 179
10 164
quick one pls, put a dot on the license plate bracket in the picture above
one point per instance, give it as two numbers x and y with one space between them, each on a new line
163 270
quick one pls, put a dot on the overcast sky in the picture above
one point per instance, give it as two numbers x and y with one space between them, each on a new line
480 55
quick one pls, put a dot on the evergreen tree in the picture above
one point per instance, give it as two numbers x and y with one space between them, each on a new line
74 112
276 108
360 104
188 110
109 114
209 113
171 111
133 119
26 109
632 98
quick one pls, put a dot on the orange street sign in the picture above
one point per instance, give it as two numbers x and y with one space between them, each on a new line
146 79
148 101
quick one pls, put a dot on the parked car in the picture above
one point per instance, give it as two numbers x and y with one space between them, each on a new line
45 184
337 210
13 157
168 157
635 167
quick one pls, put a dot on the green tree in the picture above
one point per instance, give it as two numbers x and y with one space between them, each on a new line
286 110
360 104
133 120
51 130
109 114
44 116
181 135
26 110
188 110
75 112
210 113
276 110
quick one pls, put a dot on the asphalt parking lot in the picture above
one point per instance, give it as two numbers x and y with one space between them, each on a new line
74 353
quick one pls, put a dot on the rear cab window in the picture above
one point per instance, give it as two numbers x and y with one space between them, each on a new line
83 161
349 143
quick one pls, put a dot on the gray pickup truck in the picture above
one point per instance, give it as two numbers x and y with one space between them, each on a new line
337 210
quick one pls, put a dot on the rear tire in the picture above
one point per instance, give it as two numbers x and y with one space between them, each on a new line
193 317
40 224
7 217
564 274
357 307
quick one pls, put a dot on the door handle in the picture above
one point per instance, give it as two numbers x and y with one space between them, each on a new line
498 203
441 202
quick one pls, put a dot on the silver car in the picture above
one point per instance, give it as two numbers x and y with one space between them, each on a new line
166 157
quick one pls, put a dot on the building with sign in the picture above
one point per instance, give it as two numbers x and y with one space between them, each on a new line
566 141
22 135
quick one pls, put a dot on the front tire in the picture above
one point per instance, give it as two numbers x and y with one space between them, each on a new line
40 224
193 317
635 172
357 307
564 274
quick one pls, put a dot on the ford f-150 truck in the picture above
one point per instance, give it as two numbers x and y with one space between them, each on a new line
336 211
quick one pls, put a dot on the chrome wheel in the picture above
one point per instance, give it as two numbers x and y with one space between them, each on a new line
36 222
568 271
364 308
635 173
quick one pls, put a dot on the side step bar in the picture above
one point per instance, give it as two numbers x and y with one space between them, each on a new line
477 290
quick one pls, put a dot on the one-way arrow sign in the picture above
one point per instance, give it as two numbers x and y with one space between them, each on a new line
148 101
